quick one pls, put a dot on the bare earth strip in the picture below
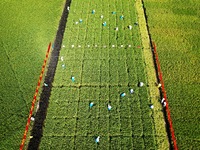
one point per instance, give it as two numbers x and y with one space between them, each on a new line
161 134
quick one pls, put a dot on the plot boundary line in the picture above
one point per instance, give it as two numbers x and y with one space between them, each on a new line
34 98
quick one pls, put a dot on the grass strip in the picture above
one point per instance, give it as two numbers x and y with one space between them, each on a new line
151 77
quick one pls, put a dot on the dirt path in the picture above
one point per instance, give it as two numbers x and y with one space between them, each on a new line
159 118
37 130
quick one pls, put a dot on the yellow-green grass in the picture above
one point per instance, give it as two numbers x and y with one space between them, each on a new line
158 115
26 29
175 27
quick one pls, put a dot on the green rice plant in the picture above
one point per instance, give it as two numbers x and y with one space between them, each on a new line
104 143
114 125
113 73
69 127
104 94
114 93
68 142
115 142
126 126
138 143
93 126
137 128
103 126
149 142
83 126
47 142
82 142
127 143
83 109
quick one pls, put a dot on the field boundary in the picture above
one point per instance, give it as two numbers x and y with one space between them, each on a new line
162 139
156 63
164 95
37 130
34 98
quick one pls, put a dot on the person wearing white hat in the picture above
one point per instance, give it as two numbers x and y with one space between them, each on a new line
97 139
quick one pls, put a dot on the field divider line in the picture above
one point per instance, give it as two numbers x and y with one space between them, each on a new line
159 122
164 94
34 99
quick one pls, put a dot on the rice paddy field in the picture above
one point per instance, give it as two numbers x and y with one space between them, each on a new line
175 27
101 58
26 29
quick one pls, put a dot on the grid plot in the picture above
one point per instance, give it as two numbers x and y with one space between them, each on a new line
105 63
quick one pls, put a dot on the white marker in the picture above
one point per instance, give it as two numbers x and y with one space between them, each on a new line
162 100
32 119
151 106
141 84
131 91
61 58
164 104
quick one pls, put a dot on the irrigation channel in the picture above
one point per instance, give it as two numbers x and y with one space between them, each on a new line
37 130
